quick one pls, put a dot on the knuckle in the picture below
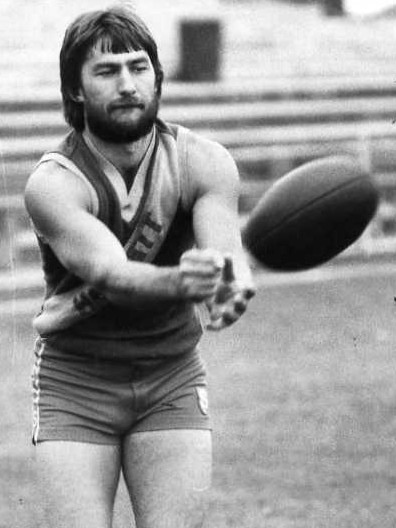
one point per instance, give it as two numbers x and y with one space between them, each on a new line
249 293
240 307
229 318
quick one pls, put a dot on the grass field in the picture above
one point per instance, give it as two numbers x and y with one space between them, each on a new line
303 396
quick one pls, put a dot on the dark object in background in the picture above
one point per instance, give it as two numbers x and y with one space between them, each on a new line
200 42
333 7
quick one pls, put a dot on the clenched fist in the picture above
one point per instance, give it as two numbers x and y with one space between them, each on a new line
200 272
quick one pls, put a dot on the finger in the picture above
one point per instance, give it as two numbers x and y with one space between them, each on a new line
249 293
223 293
230 318
214 257
200 270
214 328
228 270
208 255
203 291
223 317
240 307
208 261
237 304
215 325
227 319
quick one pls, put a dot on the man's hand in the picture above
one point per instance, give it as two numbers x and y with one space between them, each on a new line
200 273
231 298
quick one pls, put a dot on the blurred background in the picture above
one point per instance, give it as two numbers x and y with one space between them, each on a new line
277 82
305 418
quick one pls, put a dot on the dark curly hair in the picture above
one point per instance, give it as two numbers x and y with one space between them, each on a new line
115 30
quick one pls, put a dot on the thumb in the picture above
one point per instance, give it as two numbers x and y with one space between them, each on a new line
228 270
228 277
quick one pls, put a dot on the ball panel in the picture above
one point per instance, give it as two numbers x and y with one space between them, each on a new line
308 182
308 217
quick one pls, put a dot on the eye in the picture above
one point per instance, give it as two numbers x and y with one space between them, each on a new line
105 72
140 66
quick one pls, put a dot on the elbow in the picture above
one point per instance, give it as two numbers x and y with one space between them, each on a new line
102 274
106 277
102 280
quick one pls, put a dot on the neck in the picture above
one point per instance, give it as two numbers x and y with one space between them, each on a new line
124 156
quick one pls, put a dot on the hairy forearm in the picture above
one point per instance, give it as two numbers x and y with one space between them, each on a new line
138 284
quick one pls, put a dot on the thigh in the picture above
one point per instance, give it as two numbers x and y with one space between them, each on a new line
168 476
77 483
80 399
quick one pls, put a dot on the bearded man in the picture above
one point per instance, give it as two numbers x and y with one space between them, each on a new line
138 228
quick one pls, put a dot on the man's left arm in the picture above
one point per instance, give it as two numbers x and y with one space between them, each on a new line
215 183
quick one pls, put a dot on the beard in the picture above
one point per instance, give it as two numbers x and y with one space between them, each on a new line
112 130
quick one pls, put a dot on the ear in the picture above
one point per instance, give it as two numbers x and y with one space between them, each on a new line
76 97
158 88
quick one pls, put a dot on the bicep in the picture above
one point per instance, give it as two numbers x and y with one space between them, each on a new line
60 212
216 223
215 209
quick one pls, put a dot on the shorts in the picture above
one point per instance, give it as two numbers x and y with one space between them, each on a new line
85 399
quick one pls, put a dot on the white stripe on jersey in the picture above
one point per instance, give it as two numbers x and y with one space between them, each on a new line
36 389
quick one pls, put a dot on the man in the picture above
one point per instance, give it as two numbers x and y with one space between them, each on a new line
118 381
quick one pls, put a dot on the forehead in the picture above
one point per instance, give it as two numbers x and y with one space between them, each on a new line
98 55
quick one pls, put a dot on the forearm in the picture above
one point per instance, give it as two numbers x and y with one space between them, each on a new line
138 284
194 279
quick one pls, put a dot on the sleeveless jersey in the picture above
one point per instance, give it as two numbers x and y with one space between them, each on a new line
77 319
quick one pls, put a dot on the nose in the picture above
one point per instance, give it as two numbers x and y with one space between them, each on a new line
126 83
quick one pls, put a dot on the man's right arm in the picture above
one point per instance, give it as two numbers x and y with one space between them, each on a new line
59 205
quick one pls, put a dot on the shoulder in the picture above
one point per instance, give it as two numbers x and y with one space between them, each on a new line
209 165
53 183
200 149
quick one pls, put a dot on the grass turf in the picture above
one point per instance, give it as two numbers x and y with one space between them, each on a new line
303 399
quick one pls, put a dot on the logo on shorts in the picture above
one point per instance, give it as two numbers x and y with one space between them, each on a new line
203 402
